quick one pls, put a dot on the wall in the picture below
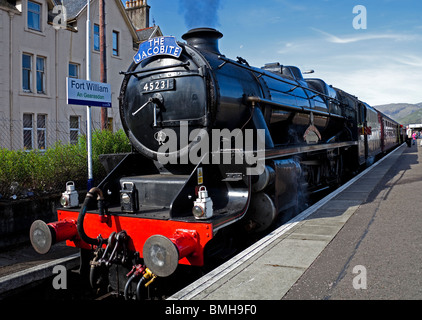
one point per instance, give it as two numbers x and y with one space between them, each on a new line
16 218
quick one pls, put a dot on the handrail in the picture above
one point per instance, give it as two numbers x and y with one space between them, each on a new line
254 99
275 77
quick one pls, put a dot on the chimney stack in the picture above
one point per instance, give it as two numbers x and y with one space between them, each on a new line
138 13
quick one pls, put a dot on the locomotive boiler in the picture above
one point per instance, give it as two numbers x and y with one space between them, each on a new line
216 144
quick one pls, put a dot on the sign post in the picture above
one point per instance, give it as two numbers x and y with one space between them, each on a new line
88 93
88 108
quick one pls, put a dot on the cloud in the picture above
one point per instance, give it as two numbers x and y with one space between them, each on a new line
375 76
292 5
290 47
375 82
377 67
410 60
362 37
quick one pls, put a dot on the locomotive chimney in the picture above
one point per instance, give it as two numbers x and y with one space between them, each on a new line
205 39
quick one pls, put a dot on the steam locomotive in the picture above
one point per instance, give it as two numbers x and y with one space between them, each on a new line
216 143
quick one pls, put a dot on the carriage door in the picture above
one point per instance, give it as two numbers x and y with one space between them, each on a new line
363 138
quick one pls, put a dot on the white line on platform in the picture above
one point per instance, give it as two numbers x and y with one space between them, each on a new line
32 274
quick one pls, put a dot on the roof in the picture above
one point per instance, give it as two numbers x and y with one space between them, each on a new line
74 9
9 6
147 33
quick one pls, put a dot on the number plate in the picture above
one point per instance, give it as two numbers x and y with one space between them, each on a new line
157 85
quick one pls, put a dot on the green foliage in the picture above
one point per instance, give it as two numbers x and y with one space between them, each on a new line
413 118
105 142
47 172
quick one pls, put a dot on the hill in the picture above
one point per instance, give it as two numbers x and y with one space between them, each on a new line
404 113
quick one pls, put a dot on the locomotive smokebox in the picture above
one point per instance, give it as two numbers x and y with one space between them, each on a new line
204 39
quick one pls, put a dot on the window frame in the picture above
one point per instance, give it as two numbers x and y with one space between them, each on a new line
41 73
28 73
41 132
27 129
73 130
31 13
96 39
76 65
115 46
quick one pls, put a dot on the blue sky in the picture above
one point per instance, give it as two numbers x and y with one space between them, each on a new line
380 64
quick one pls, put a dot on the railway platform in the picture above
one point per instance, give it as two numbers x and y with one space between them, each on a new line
23 266
363 241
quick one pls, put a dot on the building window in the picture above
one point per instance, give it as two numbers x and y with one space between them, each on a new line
34 16
41 132
73 70
26 72
96 37
110 124
28 141
115 43
74 129
40 75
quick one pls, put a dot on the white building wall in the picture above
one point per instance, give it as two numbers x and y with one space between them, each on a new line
58 47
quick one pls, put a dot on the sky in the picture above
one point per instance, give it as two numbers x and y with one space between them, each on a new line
369 48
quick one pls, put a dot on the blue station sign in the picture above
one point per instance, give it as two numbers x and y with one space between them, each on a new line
88 93
158 46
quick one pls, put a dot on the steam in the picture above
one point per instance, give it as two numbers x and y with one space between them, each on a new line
200 13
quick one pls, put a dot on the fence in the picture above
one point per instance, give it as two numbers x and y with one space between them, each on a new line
35 132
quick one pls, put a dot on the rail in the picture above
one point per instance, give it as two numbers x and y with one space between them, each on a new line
253 100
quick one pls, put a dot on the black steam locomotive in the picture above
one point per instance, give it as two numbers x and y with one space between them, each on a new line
216 143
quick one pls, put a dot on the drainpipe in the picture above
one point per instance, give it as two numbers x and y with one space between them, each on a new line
11 15
56 67
103 59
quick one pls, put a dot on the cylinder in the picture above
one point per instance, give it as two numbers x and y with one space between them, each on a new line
262 212
264 180
43 235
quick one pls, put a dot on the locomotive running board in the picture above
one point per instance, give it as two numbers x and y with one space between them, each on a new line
283 152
